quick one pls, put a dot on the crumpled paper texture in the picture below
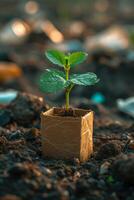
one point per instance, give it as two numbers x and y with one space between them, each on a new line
67 137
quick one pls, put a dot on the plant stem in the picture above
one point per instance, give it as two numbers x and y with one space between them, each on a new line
67 90
67 99
67 69
67 74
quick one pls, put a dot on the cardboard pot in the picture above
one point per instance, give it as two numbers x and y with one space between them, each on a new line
65 137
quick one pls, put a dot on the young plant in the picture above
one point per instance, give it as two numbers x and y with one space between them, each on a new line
54 80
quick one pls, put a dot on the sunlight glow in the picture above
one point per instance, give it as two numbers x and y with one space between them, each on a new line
51 31
31 7
20 28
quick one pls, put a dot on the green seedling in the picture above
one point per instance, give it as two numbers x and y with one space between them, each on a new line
54 80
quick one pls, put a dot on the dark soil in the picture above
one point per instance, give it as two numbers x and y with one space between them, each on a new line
25 174
66 113
71 112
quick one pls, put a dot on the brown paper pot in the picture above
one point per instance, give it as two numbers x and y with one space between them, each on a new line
67 137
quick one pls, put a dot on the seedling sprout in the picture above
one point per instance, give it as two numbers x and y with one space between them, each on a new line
54 80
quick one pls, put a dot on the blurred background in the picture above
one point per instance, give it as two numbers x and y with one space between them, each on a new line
102 28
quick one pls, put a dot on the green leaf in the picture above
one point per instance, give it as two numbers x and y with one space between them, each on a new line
51 82
77 58
84 79
57 72
56 57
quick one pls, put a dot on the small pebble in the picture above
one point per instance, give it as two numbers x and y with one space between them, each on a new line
16 135
104 168
76 161
47 171
77 175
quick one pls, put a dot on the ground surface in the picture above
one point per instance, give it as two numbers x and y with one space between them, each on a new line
25 174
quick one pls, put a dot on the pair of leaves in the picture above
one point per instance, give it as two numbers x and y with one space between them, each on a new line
54 80
59 58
